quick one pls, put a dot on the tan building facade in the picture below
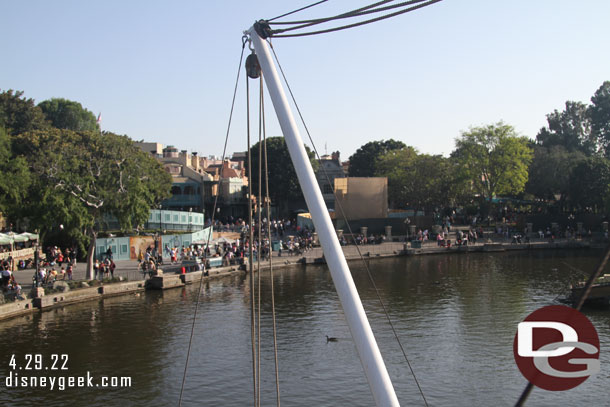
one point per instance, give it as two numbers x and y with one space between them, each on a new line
362 198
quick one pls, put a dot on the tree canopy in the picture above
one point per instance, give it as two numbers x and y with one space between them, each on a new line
590 184
494 159
600 117
69 115
56 176
364 161
18 114
283 183
570 129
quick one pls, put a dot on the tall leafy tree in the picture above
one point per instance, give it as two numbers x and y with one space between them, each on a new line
82 176
364 161
283 183
398 165
494 159
550 171
600 116
590 184
570 129
14 177
418 181
69 115
19 114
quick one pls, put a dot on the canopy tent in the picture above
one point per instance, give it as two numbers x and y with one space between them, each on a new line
30 236
10 238
223 240
18 238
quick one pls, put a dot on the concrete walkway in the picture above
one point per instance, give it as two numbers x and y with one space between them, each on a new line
130 270
124 268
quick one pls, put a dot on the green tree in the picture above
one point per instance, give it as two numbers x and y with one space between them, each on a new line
14 177
82 176
283 183
570 129
590 184
434 184
550 171
364 161
398 165
494 159
69 115
418 181
18 114
600 116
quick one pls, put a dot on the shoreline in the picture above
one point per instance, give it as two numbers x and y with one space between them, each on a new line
171 279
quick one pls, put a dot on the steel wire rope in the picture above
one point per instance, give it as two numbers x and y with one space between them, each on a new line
267 208
309 23
372 20
260 236
355 13
385 311
224 151
251 253
297 10
585 294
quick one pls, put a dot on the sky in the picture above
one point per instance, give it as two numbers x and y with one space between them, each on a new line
164 71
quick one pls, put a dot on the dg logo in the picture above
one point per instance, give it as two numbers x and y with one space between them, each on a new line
556 348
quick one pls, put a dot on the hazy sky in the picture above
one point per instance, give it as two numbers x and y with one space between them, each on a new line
165 70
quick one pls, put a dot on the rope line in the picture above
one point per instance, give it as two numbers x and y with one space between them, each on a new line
267 208
224 151
259 222
372 20
585 294
308 23
351 232
297 10
355 13
250 252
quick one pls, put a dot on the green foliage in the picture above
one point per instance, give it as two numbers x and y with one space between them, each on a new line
364 161
570 129
590 184
418 181
493 159
69 115
283 183
14 177
550 170
600 116
83 175
18 114
399 167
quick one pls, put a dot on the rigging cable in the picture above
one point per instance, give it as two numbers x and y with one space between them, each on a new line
351 232
372 20
259 222
250 253
268 210
350 14
297 10
585 294
224 151
347 14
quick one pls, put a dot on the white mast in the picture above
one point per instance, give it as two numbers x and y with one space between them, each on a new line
372 362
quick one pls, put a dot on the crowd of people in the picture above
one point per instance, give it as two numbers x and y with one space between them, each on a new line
8 283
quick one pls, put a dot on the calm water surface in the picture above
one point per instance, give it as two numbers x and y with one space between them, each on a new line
456 316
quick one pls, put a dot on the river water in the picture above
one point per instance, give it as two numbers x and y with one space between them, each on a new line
456 316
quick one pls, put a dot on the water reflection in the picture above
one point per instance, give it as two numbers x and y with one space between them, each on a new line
455 315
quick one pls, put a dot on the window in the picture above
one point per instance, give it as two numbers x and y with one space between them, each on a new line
176 190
